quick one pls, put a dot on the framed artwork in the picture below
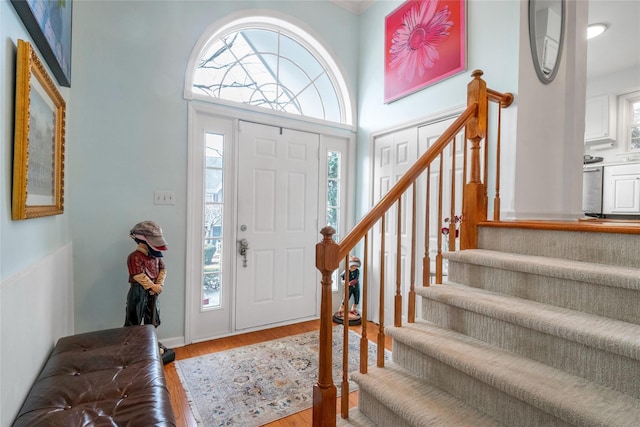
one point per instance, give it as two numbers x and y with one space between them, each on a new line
425 43
38 153
49 24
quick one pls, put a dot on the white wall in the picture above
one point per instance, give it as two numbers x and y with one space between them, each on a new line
37 309
550 128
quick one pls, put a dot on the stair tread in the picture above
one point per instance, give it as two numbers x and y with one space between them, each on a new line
563 395
604 274
607 334
427 405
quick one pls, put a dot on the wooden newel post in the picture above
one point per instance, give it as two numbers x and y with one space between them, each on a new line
474 207
325 392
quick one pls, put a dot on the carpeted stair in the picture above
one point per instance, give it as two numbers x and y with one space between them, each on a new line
535 328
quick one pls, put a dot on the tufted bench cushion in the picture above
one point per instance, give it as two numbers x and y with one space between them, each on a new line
112 377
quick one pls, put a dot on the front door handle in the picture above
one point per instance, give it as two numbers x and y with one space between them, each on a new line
243 244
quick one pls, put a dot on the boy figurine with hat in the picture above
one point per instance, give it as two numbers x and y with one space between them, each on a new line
354 291
146 277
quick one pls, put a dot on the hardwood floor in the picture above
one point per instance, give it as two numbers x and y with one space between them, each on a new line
181 408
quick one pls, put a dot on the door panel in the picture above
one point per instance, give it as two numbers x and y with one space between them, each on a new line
393 155
427 136
277 215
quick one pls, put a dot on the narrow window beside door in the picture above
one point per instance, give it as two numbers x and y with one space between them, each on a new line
213 220
333 200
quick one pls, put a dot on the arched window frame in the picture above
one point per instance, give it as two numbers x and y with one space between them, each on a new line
269 20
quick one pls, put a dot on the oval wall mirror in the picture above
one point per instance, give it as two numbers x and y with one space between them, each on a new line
546 34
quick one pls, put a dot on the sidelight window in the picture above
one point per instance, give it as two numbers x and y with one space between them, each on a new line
334 205
213 221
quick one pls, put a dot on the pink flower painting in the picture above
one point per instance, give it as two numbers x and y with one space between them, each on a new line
425 43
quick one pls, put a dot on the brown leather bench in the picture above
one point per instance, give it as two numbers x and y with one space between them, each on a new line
103 378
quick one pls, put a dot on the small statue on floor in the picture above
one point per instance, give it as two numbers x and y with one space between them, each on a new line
353 316
146 277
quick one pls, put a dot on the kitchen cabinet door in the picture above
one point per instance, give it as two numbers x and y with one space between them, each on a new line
622 189
600 119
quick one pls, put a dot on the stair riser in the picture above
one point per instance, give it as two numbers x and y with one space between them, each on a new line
601 300
505 408
517 387
375 410
612 370
600 248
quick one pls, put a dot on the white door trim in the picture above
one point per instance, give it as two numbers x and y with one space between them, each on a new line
194 201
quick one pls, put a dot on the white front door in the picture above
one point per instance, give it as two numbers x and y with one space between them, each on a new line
277 211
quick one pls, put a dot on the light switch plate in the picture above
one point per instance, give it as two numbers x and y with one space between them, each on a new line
163 197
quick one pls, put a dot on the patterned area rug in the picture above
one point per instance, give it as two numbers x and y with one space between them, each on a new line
260 383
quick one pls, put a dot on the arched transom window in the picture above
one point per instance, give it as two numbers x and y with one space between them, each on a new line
268 63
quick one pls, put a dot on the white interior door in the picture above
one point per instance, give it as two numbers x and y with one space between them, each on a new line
277 217
394 153
427 136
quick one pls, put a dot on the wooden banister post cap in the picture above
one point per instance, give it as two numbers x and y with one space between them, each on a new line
477 74
327 251
328 232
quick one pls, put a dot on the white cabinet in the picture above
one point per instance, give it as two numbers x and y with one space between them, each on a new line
600 119
621 192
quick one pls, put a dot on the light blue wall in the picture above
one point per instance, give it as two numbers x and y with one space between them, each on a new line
127 127
35 255
492 46
21 242
129 135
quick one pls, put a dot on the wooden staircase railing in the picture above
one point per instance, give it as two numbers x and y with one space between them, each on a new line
329 254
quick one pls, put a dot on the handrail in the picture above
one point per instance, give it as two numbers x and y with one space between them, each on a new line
364 225
329 254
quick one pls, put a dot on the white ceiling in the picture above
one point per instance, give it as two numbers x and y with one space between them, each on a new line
356 6
617 49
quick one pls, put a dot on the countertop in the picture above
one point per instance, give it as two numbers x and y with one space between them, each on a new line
613 163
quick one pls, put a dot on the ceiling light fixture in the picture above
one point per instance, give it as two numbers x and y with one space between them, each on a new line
594 30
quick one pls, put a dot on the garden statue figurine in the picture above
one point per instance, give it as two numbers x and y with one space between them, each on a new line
146 278
354 291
